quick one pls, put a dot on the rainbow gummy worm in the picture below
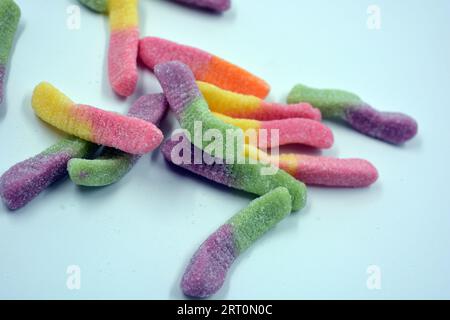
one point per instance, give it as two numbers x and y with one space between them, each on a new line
25 180
395 128
113 164
290 131
246 177
191 109
205 66
208 267
215 5
111 129
250 107
321 171
9 20
124 42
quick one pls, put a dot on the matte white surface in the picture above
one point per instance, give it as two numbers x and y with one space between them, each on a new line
134 239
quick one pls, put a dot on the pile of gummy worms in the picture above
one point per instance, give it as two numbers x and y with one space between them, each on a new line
197 87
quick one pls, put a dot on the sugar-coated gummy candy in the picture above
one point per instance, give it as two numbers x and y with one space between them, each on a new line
395 128
208 268
287 131
238 105
102 127
242 176
215 5
205 66
113 164
27 179
9 20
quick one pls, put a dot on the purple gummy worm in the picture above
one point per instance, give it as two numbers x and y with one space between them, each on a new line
215 5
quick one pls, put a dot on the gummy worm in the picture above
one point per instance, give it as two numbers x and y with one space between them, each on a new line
290 131
9 20
395 128
243 106
205 66
27 179
215 5
113 164
319 170
208 267
124 42
102 127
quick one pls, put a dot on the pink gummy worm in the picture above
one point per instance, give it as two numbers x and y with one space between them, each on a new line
297 131
122 61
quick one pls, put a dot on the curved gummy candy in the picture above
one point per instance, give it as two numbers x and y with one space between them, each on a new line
208 267
25 180
246 177
205 66
391 127
250 107
123 44
191 109
322 171
9 20
128 134
290 131
113 164
215 5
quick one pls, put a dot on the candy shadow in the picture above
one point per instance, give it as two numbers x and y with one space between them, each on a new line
4 105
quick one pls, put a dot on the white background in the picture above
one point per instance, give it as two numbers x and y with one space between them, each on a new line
134 239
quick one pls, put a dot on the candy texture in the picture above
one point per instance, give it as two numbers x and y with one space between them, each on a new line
208 267
247 176
192 112
9 20
205 66
100 6
215 5
250 107
113 164
288 131
128 134
395 128
123 46
25 180
322 171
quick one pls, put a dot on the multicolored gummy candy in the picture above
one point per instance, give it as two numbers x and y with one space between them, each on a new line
208 268
215 5
319 170
100 6
243 106
124 42
27 179
246 176
9 20
395 128
114 164
205 66
102 127
192 111
288 131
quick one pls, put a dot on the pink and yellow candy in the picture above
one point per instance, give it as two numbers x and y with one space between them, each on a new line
319 170
123 46
131 135
290 131
250 107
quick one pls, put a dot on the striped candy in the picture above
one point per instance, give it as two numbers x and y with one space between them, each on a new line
128 134
250 107
205 66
